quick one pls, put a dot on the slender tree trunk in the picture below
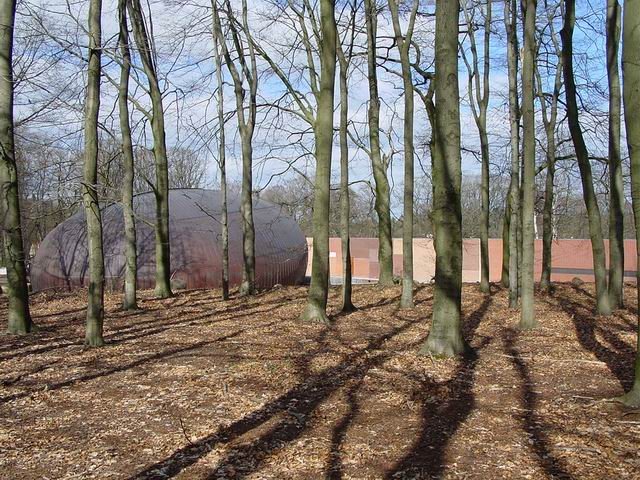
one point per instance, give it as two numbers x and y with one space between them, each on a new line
445 337
631 92
95 307
161 189
510 18
506 252
246 127
547 215
549 119
323 132
616 184
345 205
224 218
404 44
383 192
19 318
130 249
527 314
590 200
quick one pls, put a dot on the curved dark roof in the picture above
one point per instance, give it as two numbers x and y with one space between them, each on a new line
195 236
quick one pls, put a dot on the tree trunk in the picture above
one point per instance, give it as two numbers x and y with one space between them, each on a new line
616 184
404 44
445 337
547 216
345 204
161 189
527 314
19 317
383 192
631 92
506 252
224 218
323 132
95 307
246 127
130 249
510 18
582 155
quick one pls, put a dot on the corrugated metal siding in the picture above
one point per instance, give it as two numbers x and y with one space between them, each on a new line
195 235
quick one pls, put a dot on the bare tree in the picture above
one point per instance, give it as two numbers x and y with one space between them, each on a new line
379 163
131 253
95 307
445 337
247 72
616 184
345 59
222 162
527 314
478 87
19 318
515 253
161 187
549 109
631 92
582 155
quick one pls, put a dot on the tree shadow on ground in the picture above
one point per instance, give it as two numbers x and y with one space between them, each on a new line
291 414
619 361
169 352
442 418
532 423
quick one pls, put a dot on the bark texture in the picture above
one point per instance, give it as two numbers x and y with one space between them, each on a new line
161 188
130 249
378 163
616 184
510 19
222 163
478 87
323 132
445 337
631 93
527 314
95 306
403 42
19 317
582 155
345 203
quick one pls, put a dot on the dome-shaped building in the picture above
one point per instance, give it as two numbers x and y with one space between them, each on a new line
196 246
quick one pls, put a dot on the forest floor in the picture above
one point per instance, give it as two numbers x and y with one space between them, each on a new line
193 387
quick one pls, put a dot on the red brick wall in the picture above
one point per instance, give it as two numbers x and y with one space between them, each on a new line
570 258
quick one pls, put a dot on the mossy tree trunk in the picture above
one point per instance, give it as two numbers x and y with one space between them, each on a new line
95 307
222 155
616 184
527 314
19 317
582 155
631 93
161 188
323 132
130 248
510 19
403 42
378 163
445 337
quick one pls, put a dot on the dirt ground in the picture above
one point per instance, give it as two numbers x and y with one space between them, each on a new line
193 387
